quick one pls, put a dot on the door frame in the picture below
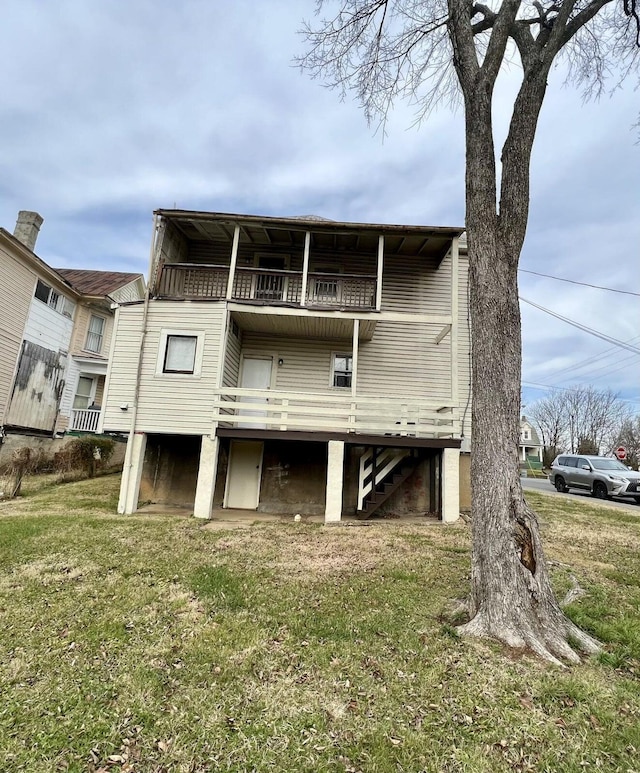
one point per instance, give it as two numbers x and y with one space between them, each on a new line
232 442
258 355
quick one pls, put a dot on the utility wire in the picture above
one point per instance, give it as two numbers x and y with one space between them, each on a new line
584 284
581 364
584 328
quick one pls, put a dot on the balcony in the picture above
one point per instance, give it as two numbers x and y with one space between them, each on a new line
85 420
192 281
329 412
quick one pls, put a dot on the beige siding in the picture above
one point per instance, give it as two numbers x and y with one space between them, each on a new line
81 328
174 403
17 284
134 291
464 347
415 285
402 360
232 358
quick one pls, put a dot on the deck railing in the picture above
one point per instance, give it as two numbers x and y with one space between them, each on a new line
84 420
267 286
328 412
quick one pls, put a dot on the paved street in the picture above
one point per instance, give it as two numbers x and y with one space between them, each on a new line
545 487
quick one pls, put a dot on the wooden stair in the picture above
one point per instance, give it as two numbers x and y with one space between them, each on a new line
388 486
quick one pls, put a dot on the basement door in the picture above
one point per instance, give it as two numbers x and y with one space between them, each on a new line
244 471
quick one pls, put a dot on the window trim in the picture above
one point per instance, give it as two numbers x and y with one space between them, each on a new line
332 373
165 334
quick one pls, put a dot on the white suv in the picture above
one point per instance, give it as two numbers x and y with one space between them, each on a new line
603 476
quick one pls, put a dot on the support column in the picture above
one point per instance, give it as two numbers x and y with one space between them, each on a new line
233 262
305 268
450 483
207 472
132 473
335 474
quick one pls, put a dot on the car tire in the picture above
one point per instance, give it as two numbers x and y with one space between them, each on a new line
560 485
600 491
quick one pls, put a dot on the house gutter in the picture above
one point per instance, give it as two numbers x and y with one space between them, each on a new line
128 464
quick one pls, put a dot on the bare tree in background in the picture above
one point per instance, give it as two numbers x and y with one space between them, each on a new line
582 420
431 51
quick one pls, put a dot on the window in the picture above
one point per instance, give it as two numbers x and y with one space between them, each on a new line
180 354
342 370
526 434
53 299
82 397
95 334
42 292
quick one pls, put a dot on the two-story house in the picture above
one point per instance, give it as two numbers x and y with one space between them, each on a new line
530 447
55 331
294 365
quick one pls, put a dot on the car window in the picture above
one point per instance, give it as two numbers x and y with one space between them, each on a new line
608 464
570 461
582 461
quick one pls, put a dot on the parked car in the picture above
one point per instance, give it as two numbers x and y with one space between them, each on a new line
603 476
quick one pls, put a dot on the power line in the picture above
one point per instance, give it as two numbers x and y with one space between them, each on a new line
584 328
584 284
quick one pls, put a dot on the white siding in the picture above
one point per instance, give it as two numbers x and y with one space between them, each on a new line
47 327
173 403
134 291
71 381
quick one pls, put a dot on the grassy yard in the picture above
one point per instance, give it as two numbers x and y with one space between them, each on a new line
150 643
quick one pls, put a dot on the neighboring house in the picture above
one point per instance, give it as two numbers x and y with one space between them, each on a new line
294 365
54 335
530 448
82 399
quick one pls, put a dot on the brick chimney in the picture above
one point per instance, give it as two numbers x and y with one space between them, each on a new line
27 228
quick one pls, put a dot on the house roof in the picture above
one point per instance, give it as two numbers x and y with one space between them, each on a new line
97 283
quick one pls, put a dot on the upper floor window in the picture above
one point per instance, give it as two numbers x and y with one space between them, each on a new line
180 354
95 334
525 434
48 295
342 370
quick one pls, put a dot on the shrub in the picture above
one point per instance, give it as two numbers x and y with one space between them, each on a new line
87 454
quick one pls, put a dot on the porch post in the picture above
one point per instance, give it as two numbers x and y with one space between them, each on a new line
450 483
234 260
335 474
380 267
305 269
207 471
132 473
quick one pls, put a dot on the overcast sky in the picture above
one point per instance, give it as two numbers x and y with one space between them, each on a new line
110 109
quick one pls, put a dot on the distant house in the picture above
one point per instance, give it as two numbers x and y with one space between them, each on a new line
291 365
55 332
530 447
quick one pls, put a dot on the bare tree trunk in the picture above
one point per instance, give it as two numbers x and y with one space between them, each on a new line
512 600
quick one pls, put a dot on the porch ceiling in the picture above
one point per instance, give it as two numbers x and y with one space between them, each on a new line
428 242
302 325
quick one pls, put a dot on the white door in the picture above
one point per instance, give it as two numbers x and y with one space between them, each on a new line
243 474
256 374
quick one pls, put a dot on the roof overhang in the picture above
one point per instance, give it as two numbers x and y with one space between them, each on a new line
430 242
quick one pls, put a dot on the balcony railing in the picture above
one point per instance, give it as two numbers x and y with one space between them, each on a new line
328 412
267 286
84 420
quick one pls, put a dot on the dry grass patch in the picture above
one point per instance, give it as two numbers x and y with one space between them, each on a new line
150 643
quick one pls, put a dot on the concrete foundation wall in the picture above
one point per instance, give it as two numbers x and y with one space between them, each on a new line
170 470
294 476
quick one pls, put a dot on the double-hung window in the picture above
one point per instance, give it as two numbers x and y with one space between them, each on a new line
95 334
342 370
